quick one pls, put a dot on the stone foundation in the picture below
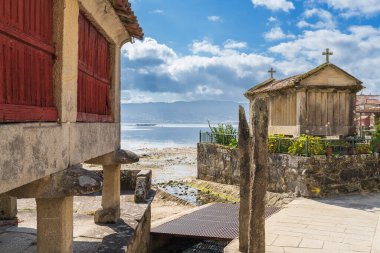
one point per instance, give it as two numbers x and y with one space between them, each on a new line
316 176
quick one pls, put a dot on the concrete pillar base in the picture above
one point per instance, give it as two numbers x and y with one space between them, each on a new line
55 225
8 207
110 211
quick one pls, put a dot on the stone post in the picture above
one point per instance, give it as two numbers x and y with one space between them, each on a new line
110 211
8 207
259 177
111 163
253 161
244 166
55 225
143 184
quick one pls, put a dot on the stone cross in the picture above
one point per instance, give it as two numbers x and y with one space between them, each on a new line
253 164
271 71
327 53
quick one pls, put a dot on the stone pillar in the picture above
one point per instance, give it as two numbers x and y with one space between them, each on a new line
55 225
8 207
244 167
253 162
259 177
110 211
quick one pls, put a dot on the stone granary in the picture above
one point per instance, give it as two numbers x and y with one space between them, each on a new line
60 107
320 102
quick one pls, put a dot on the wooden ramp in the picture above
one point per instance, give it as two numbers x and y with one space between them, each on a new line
215 221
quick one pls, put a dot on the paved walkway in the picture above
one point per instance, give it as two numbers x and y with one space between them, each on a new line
345 224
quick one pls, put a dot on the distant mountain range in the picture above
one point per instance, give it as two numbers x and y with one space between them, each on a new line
196 112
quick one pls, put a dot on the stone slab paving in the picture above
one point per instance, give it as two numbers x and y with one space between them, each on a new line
344 224
88 236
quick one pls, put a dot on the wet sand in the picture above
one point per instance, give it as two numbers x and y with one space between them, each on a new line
168 163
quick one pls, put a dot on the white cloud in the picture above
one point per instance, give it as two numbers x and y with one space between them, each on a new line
205 46
149 48
157 11
206 90
232 44
221 72
274 5
138 96
326 20
153 72
356 51
272 19
276 33
214 18
355 7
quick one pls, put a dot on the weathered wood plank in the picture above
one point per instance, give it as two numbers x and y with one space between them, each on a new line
342 109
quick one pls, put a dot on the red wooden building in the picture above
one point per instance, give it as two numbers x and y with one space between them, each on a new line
60 104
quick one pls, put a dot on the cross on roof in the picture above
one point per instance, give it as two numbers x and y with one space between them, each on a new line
327 53
271 71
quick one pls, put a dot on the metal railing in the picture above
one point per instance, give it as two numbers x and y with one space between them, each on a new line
209 137
302 147
306 147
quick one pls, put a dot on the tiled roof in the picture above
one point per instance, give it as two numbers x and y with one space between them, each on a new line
275 85
369 110
128 18
272 85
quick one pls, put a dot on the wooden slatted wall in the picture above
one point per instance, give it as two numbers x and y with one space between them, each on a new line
26 61
93 74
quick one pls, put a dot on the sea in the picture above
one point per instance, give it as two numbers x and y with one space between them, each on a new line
135 136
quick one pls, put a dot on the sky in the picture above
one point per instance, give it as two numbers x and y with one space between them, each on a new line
218 49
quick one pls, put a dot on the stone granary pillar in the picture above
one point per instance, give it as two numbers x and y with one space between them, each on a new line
54 197
111 162
8 207
55 224
253 163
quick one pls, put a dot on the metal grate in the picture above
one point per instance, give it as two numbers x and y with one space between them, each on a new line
218 221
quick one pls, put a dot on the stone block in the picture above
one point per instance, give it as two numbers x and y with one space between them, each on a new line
8 207
143 184
107 215
147 174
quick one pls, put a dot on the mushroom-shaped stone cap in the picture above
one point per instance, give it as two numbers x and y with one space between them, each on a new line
116 157
72 181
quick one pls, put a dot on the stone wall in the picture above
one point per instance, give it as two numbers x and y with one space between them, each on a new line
218 163
322 176
306 176
141 240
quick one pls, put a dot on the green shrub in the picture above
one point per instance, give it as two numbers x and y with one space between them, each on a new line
278 143
375 138
233 143
224 134
315 146
363 148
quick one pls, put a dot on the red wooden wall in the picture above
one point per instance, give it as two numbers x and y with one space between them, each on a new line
94 79
26 61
